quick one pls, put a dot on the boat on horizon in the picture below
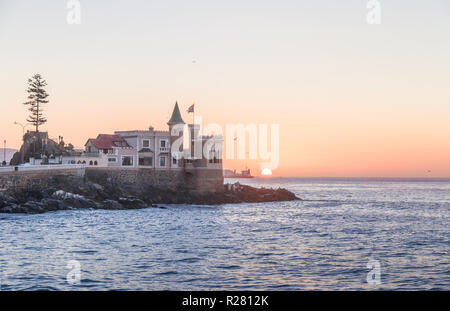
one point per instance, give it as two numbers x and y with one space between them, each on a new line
233 174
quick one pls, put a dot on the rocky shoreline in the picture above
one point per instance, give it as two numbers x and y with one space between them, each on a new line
95 196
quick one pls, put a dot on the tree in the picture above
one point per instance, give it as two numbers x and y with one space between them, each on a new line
37 98
69 147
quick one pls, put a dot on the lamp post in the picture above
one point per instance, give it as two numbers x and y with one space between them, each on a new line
4 153
23 126
23 134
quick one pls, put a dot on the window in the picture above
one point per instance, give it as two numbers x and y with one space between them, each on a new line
174 161
127 161
163 144
95 163
90 162
112 160
146 161
146 143
162 161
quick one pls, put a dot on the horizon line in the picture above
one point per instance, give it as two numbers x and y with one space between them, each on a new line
327 177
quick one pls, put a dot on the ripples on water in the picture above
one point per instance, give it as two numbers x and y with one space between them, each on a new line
323 242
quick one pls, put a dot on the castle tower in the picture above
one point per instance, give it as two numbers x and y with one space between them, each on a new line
176 116
176 119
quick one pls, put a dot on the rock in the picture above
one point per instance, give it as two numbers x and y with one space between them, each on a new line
53 205
80 203
111 205
33 207
65 192
238 193
74 200
48 192
33 195
132 203
34 141
6 200
16 209
7 209
97 191
62 195
157 206
97 187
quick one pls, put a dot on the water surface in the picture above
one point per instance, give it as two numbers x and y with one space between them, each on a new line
324 242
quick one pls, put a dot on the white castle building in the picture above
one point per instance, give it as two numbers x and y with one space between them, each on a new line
151 149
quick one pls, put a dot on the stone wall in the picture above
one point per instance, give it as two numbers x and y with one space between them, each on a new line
140 179
136 180
36 178
204 180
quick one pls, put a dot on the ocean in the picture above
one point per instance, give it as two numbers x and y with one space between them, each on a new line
342 232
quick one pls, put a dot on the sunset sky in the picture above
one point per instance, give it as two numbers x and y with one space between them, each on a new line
351 99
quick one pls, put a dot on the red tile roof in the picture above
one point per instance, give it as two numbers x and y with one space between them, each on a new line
106 141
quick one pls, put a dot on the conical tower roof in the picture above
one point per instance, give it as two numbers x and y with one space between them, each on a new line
176 116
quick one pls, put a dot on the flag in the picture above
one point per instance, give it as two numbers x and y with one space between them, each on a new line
191 109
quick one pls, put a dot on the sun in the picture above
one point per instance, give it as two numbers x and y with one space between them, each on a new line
266 172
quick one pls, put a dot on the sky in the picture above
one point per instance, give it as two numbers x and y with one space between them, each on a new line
351 99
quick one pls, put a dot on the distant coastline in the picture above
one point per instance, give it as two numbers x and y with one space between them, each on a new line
375 179
9 154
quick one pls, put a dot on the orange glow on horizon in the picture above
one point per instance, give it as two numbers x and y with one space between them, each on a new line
266 172
351 100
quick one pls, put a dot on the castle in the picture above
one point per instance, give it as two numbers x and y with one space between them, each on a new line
142 159
150 149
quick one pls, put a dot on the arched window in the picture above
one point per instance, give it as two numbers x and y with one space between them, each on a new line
90 163
84 162
95 163
79 162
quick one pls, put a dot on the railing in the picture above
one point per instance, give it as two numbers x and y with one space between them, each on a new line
164 149
94 154
51 167
6 169
41 167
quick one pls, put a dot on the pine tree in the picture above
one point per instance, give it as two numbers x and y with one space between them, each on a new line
37 98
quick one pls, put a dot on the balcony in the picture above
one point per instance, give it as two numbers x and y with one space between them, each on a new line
164 149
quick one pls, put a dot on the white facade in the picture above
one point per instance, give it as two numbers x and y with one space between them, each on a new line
152 148
101 160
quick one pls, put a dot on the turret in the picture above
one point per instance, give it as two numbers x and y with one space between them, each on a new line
176 116
175 120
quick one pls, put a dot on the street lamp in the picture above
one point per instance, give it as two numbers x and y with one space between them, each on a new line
23 126
4 153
